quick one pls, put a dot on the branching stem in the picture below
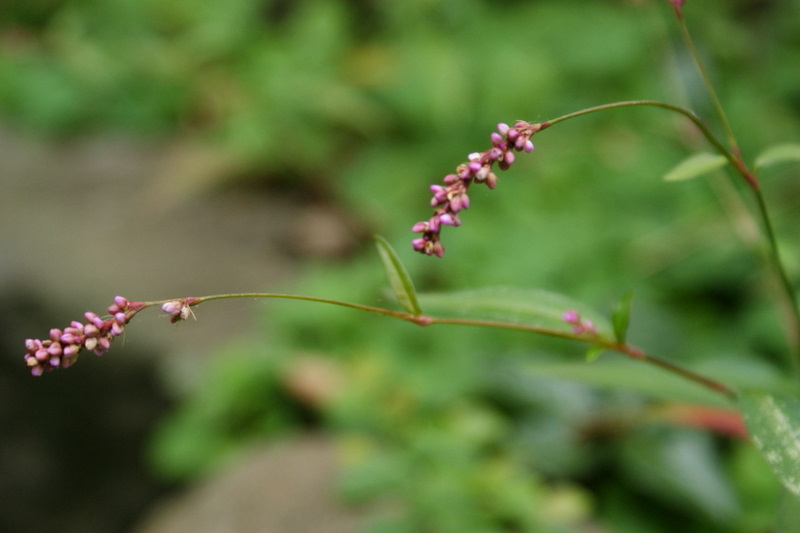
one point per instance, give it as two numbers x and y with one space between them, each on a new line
426 320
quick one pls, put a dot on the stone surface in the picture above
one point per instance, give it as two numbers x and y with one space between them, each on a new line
283 488
82 221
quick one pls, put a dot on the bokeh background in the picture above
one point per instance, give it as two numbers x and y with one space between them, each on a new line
169 148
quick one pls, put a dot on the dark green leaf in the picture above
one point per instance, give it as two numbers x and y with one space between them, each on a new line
621 317
774 424
398 277
681 467
695 166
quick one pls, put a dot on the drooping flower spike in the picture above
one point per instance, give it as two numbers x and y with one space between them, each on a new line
451 198
61 348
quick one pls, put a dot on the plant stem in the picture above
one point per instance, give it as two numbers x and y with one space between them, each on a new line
787 289
790 305
425 320
707 133
687 38
792 310
625 349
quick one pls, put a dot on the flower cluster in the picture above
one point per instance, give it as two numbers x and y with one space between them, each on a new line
579 326
450 198
61 349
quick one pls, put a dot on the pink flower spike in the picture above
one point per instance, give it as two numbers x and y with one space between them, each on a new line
503 128
571 317
420 227
418 244
528 148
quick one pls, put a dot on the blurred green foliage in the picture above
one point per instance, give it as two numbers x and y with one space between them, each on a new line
469 430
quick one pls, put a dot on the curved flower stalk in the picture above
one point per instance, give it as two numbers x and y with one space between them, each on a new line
61 349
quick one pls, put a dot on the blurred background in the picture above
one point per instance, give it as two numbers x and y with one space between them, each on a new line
172 148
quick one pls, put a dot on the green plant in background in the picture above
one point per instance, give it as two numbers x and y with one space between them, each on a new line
466 424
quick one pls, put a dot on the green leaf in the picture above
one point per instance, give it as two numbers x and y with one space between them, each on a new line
622 374
788 516
695 166
681 467
530 307
398 277
782 153
621 317
593 353
774 424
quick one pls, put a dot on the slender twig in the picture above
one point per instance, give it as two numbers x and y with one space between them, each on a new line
687 38
735 159
426 320
773 257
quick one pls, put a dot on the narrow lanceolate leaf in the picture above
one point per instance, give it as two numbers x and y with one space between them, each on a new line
782 153
695 166
622 317
398 277
530 307
774 425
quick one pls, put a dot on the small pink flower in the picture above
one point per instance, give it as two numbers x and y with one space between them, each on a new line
61 349
451 198
178 309
579 326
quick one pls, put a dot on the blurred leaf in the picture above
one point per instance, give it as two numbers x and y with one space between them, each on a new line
621 317
620 374
532 307
774 424
781 153
593 353
788 514
694 166
681 467
398 277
